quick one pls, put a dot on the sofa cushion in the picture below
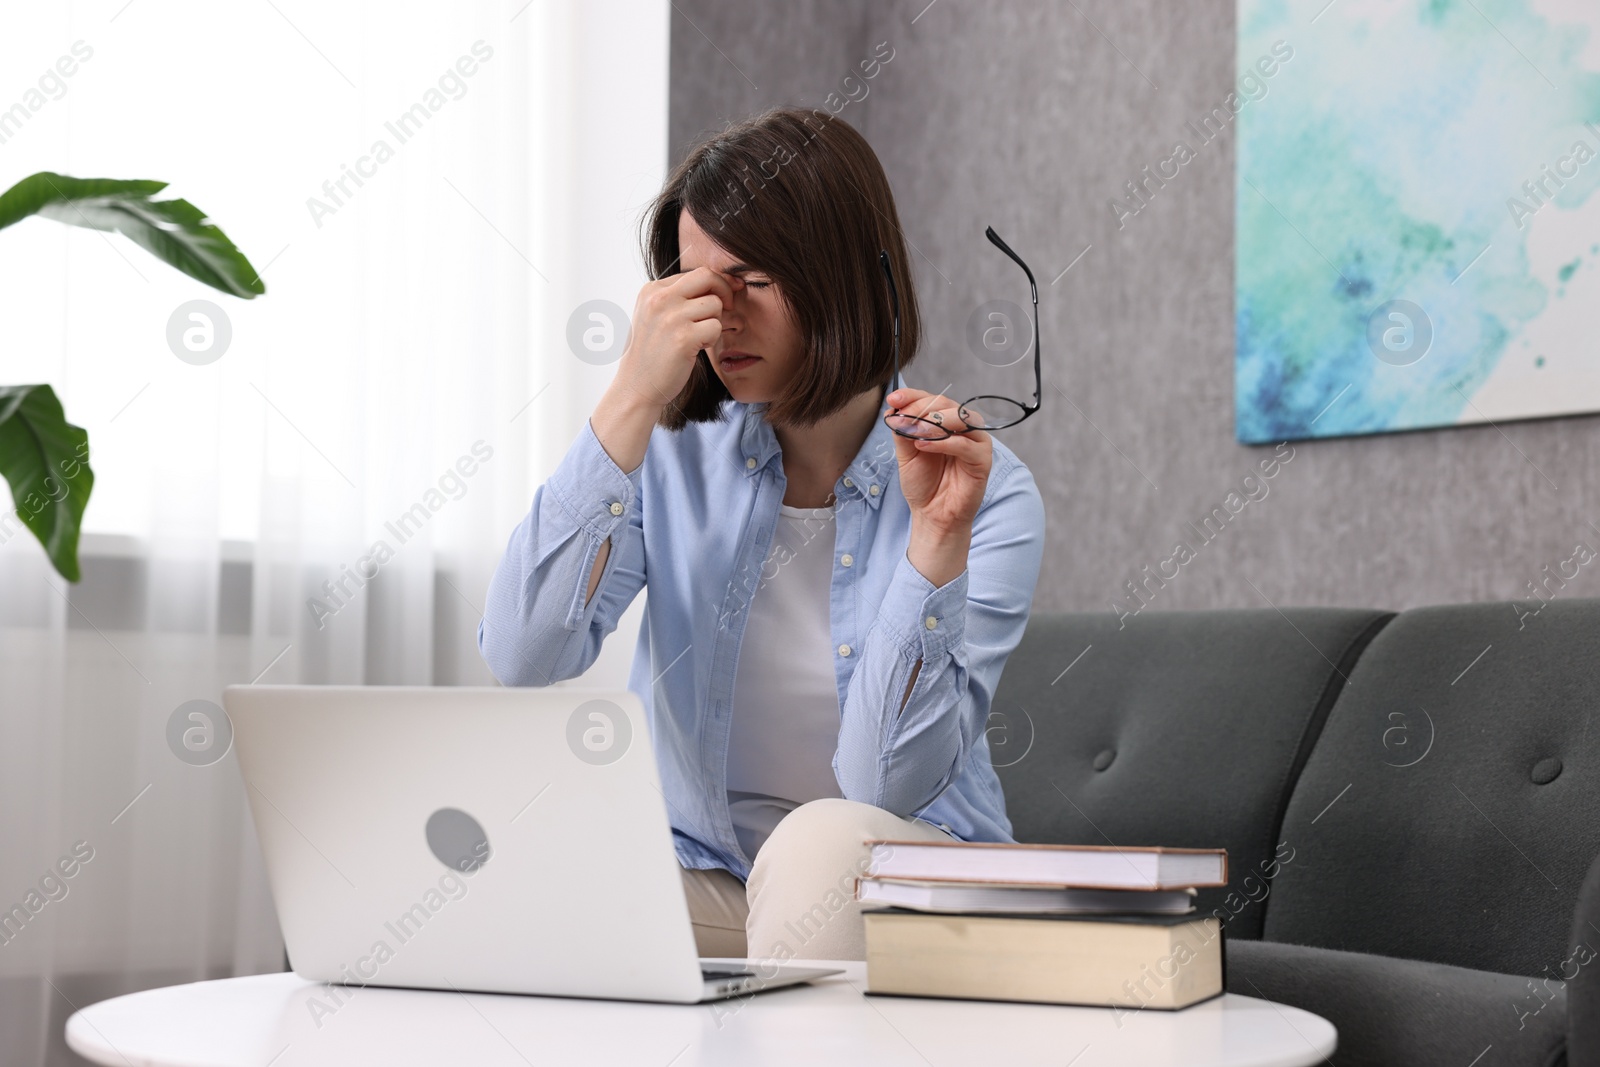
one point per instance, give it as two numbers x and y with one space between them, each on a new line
1449 810
1404 1013
1183 729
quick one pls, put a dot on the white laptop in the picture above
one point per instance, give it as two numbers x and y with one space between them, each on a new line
500 840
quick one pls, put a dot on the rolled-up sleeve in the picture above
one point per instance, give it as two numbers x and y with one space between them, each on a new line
901 758
537 627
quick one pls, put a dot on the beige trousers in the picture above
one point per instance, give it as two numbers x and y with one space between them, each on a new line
800 901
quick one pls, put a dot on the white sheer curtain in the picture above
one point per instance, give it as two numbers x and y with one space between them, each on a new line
406 382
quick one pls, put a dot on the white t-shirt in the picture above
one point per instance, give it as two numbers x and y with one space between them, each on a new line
785 725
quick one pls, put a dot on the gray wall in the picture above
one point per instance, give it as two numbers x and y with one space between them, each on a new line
1031 116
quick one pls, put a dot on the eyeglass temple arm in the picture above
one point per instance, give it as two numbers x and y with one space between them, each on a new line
988 231
894 295
894 303
1033 287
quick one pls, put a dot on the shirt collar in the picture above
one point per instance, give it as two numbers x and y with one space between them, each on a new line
868 476
757 443
875 467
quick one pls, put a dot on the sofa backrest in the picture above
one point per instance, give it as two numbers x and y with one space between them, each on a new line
1451 806
1183 729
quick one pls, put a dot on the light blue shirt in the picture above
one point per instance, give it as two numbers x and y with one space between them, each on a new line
695 520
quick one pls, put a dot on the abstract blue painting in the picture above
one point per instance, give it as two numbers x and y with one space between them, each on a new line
1417 230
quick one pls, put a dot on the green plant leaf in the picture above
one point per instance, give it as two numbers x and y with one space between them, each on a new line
45 460
174 231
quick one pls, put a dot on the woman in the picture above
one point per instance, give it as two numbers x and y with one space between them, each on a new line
830 603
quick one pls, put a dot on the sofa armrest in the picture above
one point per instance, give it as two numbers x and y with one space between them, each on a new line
1391 1012
1583 989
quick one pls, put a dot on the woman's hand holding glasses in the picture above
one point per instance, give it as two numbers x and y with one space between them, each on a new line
942 480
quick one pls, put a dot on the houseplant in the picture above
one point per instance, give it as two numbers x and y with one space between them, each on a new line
43 457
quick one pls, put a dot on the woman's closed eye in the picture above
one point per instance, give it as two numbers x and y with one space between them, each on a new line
757 285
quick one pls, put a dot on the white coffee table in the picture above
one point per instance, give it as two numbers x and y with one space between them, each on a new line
268 1021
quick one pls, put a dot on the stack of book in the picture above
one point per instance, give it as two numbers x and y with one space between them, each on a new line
1056 924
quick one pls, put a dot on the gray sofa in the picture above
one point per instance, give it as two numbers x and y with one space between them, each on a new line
1410 804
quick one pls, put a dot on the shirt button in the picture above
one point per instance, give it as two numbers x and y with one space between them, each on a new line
848 484
931 623
873 490
750 463
844 650
616 507
847 559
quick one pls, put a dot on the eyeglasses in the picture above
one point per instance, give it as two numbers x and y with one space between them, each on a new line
998 412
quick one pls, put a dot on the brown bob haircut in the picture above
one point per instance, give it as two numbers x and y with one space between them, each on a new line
798 194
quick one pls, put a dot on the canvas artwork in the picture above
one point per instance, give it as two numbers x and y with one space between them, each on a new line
1418 230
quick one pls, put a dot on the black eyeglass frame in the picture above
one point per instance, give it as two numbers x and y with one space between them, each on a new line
1038 372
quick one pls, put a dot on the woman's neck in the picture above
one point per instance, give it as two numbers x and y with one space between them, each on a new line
815 456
